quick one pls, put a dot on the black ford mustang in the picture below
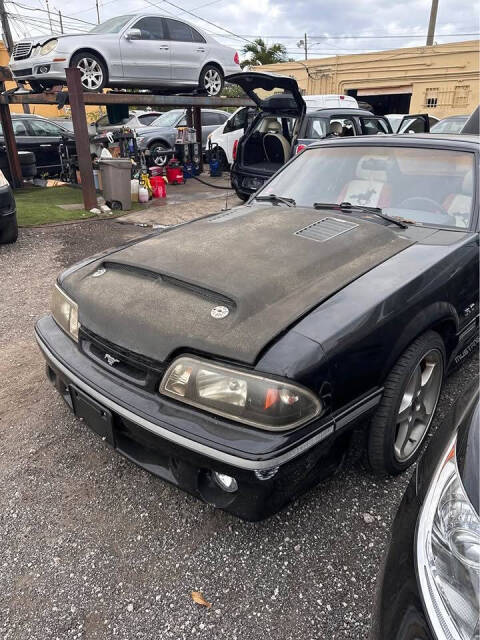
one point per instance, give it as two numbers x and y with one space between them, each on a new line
232 355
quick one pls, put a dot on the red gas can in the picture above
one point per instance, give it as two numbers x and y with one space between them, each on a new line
159 189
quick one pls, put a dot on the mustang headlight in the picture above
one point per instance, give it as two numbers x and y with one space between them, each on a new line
245 397
48 47
448 555
65 312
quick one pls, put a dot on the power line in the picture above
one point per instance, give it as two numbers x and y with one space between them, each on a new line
23 6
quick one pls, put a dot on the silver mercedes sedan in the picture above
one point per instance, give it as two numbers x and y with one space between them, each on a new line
144 51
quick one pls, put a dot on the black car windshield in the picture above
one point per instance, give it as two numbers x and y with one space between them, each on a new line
429 186
114 25
168 119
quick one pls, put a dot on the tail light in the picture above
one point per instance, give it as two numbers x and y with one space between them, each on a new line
236 58
300 147
234 150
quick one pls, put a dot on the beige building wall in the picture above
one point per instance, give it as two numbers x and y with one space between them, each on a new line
442 80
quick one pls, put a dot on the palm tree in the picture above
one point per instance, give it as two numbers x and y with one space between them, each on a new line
260 53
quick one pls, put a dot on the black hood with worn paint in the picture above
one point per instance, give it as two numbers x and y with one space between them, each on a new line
267 266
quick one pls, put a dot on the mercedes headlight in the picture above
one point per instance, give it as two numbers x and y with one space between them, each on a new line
48 47
448 555
65 312
244 397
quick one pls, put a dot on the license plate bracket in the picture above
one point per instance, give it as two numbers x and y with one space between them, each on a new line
97 417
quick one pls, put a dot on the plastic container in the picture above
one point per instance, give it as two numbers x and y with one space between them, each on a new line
143 194
134 186
159 190
116 179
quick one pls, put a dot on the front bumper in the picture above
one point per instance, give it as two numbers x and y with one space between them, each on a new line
31 68
184 446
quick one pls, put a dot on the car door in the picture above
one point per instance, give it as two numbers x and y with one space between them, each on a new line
235 128
415 123
146 52
189 51
46 137
211 120
371 126
24 140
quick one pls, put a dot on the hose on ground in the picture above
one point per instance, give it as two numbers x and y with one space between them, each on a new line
215 186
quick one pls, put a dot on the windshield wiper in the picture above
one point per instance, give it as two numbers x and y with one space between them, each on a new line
348 206
290 202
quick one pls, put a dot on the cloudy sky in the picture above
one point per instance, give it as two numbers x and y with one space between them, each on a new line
341 26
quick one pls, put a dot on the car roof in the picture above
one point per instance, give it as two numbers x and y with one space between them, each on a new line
459 141
459 116
343 111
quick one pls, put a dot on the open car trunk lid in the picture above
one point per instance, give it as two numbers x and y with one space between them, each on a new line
271 92
266 266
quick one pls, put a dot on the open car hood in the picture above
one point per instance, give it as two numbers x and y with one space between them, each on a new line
267 266
290 100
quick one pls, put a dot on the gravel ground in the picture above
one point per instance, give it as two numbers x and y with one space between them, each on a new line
94 547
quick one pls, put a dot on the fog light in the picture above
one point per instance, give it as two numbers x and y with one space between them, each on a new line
43 69
227 483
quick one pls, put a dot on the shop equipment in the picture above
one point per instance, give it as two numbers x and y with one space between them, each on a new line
175 172
116 175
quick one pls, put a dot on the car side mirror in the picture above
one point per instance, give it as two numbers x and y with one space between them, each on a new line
133 34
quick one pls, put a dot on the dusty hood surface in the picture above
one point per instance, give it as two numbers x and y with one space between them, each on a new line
156 297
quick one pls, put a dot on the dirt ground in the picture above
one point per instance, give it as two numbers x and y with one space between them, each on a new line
94 547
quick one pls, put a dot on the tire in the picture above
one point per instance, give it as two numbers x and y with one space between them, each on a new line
241 195
9 234
158 159
211 80
406 410
94 72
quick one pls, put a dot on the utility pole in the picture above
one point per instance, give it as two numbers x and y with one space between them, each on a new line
98 12
49 16
432 23
61 21
306 47
7 34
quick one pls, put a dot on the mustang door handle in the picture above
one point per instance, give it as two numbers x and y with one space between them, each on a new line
202 50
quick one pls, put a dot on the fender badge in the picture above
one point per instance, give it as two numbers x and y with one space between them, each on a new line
110 359
219 312
99 272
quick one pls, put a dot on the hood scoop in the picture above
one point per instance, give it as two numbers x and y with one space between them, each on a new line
326 229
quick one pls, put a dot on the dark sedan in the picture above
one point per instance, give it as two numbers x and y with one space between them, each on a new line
42 137
8 213
430 585
232 355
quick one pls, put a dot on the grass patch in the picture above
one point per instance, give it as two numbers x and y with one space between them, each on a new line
38 205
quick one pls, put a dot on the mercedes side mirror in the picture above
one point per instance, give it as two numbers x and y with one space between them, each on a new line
133 34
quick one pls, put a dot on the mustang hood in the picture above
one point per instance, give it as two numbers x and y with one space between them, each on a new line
268 266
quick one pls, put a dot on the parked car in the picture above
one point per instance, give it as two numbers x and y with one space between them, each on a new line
41 137
228 133
145 50
135 119
429 588
411 122
159 138
452 124
233 354
8 213
283 127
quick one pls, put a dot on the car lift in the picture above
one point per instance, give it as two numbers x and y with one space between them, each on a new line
77 99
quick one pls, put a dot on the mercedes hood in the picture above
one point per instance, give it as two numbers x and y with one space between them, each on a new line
225 285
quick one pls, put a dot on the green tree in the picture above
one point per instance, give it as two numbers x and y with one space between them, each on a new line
259 52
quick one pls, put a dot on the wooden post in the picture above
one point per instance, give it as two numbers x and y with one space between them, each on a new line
197 123
82 142
10 144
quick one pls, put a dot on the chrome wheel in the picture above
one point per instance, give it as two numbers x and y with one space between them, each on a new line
91 74
212 82
418 405
158 156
